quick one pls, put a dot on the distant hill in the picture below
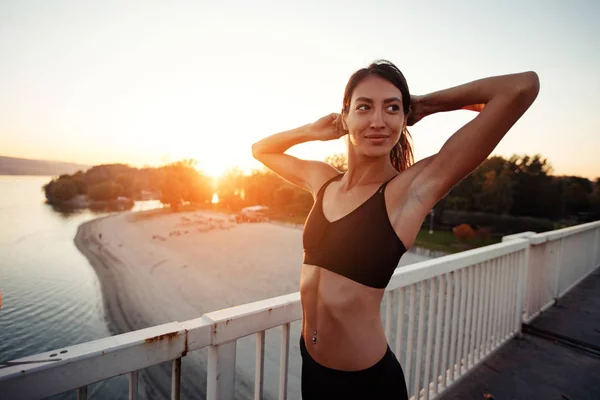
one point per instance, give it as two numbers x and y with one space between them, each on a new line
24 166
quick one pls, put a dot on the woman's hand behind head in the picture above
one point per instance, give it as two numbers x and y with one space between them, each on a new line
417 111
328 127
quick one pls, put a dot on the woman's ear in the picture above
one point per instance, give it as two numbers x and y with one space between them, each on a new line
344 123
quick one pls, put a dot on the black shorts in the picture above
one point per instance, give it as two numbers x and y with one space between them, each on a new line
384 380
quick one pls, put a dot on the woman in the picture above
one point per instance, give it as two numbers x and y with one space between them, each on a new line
364 220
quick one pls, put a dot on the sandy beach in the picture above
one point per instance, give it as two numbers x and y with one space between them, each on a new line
156 267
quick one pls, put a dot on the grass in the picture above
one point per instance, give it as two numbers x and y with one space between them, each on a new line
446 242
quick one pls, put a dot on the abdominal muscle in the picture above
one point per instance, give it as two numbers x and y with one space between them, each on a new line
346 316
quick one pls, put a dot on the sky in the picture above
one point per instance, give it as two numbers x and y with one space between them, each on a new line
146 83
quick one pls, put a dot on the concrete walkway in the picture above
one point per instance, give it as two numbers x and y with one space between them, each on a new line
558 356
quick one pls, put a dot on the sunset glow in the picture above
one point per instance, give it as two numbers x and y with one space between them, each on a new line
198 81
215 198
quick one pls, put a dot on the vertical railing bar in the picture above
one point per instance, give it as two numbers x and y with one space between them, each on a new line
82 393
505 287
455 320
409 338
476 308
482 311
388 314
176 378
423 287
498 312
461 323
501 299
284 362
512 296
430 328
442 294
490 334
559 269
519 259
400 324
220 376
516 307
485 345
596 261
133 385
469 317
211 373
506 303
259 374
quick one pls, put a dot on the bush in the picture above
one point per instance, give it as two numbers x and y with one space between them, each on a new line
463 232
499 224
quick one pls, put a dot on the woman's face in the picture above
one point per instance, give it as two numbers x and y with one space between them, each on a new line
375 117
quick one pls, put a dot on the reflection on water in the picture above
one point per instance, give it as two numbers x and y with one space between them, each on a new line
51 295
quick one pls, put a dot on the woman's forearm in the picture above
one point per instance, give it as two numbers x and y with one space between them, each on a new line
280 142
475 95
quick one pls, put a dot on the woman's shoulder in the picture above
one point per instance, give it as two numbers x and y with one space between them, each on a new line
325 177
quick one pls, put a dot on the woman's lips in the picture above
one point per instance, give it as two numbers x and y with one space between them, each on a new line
376 139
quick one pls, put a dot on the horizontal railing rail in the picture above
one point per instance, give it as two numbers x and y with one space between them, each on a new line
558 261
442 317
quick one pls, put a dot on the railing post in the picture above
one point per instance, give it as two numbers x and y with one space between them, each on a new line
523 269
82 393
220 384
559 264
176 379
133 385
595 257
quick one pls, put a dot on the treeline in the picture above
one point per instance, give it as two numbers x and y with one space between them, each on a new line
506 195
503 195
524 186
173 184
236 190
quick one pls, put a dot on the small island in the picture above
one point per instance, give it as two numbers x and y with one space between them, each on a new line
116 187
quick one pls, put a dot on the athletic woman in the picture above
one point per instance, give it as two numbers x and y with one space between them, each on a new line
365 219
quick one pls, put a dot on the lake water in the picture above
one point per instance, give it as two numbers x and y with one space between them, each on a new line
51 295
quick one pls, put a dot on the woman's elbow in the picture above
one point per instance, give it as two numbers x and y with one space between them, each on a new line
256 150
529 86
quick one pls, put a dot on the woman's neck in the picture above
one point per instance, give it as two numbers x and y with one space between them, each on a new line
367 172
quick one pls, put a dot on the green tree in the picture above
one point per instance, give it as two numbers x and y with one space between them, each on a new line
181 182
284 197
59 190
104 191
260 187
532 179
230 188
497 193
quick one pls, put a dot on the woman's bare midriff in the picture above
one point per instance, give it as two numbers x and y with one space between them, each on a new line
346 316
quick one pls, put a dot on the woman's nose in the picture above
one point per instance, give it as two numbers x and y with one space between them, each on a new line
377 120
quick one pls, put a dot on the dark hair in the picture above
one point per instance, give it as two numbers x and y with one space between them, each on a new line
402 154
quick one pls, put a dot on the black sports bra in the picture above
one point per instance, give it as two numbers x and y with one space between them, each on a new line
361 246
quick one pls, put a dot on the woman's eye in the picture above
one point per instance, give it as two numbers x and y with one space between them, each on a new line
362 107
394 108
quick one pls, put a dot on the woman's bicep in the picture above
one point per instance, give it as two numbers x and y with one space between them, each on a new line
306 174
466 149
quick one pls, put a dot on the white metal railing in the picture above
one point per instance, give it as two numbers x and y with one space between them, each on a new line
458 308
558 261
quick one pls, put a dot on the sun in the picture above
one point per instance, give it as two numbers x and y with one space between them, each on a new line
213 169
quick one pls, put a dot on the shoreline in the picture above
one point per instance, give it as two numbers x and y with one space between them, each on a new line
156 268
147 277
